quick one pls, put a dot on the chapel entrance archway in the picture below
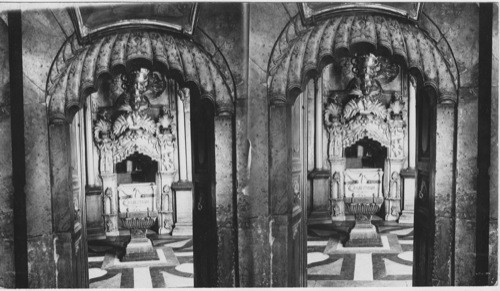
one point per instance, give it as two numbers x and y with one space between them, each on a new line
300 54
139 62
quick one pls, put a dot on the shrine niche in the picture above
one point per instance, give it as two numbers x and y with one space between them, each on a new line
363 117
306 51
136 151
135 88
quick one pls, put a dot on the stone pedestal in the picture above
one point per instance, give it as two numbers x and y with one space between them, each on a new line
183 208
392 209
140 248
407 216
320 194
364 233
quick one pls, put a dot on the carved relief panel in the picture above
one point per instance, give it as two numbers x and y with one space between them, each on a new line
371 106
139 122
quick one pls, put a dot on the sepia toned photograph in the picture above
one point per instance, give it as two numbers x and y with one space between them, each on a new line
248 144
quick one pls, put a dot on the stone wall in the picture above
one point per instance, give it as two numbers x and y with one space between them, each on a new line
266 21
7 269
493 215
44 32
457 28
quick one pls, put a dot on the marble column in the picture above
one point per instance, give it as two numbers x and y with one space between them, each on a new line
337 163
89 143
110 202
318 117
181 137
109 186
183 189
412 124
319 176
408 175
187 123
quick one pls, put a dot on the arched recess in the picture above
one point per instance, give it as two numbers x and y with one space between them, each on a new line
299 55
77 71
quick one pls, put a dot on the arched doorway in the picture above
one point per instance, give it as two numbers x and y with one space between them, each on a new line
300 54
79 71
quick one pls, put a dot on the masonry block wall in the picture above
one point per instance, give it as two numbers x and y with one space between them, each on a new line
493 214
7 268
457 26
43 33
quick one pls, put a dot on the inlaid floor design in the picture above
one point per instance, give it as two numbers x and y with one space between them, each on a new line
178 273
327 267
390 265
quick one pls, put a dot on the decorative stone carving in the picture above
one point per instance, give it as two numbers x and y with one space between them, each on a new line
335 185
364 106
332 121
366 126
134 131
364 115
165 205
102 131
395 185
77 211
296 191
109 225
139 87
106 156
363 198
397 106
107 196
365 68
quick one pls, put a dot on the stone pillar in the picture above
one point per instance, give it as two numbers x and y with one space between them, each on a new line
408 175
62 205
392 172
337 161
164 181
337 205
183 189
109 184
318 117
280 236
408 190
181 137
110 203
224 189
412 124
393 189
187 123
318 176
444 183
184 209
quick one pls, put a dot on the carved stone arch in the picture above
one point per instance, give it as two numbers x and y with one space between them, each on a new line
302 52
380 136
77 70
123 153
76 73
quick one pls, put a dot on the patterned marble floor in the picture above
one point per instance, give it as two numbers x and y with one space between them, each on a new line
177 273
332 265
329 263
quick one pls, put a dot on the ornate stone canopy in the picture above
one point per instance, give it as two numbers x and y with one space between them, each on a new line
77 69
303 51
